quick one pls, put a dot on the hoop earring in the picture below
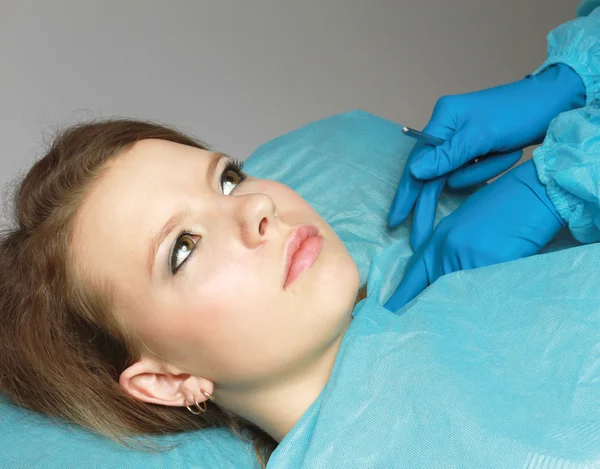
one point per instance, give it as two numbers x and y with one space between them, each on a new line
201 410
207 395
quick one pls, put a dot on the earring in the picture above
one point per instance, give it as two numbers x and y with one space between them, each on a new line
207 395
198 406
200 409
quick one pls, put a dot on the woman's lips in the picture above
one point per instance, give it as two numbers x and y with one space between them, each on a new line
302 250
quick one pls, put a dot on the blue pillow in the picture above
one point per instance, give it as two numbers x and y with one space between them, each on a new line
33 441
347 167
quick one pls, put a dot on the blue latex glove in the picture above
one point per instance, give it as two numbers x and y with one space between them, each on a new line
494 124
508 219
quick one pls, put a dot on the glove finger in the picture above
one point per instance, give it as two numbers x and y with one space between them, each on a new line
446 157
486 168
425 209
406 194
414 282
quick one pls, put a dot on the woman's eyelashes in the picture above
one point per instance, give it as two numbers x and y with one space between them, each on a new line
231 177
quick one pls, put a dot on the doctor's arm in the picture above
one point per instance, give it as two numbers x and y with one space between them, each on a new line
516 215
495 124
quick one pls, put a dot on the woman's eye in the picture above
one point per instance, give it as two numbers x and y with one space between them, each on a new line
184 246
229 180
232 176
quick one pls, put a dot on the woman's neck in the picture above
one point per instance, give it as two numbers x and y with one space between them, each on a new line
276 407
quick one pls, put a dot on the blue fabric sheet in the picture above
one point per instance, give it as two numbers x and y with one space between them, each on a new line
489 368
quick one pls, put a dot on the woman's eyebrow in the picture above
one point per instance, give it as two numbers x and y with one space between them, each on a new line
175 220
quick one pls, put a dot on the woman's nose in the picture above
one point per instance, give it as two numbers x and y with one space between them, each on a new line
256 216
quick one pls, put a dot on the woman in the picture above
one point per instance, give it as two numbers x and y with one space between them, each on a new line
127 333
123 293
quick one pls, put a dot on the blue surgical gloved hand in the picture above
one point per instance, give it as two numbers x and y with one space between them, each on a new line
494 124
508 219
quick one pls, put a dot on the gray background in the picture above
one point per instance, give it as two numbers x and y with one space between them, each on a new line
238 73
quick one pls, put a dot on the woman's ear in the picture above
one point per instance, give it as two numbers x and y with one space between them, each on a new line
148 381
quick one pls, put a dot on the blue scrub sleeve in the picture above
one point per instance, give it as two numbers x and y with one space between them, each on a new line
576 43
587 6
568 164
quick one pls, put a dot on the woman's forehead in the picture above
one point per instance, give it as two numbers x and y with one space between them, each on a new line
157 151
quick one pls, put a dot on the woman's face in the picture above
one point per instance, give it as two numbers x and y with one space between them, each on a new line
225 314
